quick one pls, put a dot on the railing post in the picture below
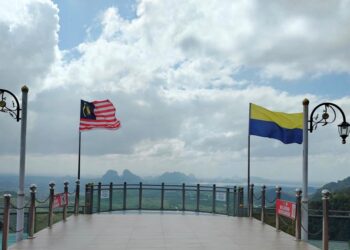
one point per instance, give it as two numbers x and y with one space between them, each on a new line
92 198
183 196
52 194
227 201
65 206
99 190
87 199
89 194
162 197
110 196
298 214
240 201
198 197
6 220
325 228
251 200
31 223
77 197
124 196
214 199
234 201
263 203
278 196
140 196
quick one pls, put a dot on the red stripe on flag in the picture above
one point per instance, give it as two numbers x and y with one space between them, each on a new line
114 126
98 122
101 106
102 101
104 111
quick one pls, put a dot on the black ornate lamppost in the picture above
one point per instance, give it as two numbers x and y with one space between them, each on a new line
9 104
323 114
328 116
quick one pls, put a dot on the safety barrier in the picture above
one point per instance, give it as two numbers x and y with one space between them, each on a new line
197 198
37 211
298 207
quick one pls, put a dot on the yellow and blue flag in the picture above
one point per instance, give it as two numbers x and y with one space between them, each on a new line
288 128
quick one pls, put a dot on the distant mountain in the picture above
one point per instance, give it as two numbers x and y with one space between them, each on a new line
130 177
176 178
342 186
340 196
111 176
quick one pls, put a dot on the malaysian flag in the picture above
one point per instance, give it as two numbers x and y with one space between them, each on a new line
97 114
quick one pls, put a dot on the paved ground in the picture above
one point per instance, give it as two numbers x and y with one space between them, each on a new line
157 230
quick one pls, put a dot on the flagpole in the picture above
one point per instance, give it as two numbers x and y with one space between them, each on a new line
79 155
248 178
89 113
77 188
304 200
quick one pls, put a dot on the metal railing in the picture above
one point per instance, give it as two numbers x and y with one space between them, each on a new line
168 197
171 197
296 224
37 212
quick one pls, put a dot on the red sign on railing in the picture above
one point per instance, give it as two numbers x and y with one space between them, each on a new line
286 208
60 200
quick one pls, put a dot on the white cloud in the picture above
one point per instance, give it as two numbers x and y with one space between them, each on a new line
194 44
167 147
28 44
172 73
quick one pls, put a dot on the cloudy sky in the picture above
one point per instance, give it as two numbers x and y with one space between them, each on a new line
181 75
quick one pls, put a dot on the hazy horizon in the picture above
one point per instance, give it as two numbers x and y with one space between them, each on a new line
242 180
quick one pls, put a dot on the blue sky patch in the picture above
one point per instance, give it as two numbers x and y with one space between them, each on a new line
78 15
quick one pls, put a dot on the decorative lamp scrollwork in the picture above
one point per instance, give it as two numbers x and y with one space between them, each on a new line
324 114
9 104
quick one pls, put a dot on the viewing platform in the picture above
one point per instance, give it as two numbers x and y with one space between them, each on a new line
153 216
131 230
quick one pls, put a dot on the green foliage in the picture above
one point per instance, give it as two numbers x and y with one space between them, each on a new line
340 200
339 220
340 187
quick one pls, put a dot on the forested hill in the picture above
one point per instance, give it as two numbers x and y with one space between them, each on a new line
340 195
342 186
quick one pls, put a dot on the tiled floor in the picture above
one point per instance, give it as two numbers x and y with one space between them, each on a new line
157 230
